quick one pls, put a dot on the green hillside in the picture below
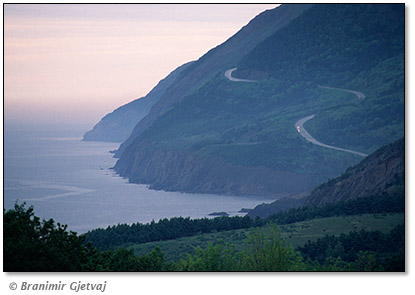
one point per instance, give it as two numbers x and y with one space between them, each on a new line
359 47
297 234
33 245
239 137
219 59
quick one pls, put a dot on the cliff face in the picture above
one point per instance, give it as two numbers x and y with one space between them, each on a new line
117 125
186 172
370 177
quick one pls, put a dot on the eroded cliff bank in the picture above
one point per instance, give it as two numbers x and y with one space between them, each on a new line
187 172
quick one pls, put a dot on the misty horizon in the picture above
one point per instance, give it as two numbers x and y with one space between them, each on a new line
75 63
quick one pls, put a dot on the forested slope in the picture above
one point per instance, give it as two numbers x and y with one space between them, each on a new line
239 138
219 59
359 47
31 245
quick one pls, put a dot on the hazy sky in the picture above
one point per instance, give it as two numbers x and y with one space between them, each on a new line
75 63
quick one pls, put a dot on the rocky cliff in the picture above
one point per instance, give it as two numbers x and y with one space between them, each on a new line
186 172
370 177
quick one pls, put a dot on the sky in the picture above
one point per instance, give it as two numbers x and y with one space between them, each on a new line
74 63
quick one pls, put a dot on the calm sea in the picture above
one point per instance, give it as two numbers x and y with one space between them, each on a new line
71 181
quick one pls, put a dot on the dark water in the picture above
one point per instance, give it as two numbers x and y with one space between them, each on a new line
70 181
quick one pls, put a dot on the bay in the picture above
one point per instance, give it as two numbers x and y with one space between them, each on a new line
72 182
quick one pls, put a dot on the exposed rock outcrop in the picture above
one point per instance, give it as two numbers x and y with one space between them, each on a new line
370 177
186 172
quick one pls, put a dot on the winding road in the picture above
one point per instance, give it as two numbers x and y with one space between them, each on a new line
300 129
299 125
359 95
228 75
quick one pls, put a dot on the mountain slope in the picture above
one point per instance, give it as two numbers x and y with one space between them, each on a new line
382 172
353 46
117 125
219 59
239 137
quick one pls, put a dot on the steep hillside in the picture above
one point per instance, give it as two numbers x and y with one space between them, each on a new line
240 137
374 175
358 47
381 173
219 59
117 126
281 205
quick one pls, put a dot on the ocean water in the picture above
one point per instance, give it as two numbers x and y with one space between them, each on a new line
72 182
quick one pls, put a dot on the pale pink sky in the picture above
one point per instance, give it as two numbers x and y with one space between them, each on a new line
75 63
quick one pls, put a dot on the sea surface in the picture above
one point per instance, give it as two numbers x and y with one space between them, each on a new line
72 182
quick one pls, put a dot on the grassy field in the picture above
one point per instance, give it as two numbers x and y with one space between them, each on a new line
297 233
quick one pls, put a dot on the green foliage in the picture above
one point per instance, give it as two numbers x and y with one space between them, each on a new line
331 43
178 227
217 257
367 261
358 47
297 234
368 124
177 249
265 250
363 250
34 245
381 203
165 229
124 260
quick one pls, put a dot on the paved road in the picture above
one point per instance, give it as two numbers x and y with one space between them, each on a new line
300 129
299 124
358 94
228 75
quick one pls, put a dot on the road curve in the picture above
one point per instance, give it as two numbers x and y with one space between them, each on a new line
300 129
228 75
358 94
299 124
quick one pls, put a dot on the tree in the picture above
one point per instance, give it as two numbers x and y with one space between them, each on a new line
34 245
219 257
266 250
367 261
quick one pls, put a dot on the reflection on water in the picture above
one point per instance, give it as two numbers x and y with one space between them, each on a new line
71 181
38 191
